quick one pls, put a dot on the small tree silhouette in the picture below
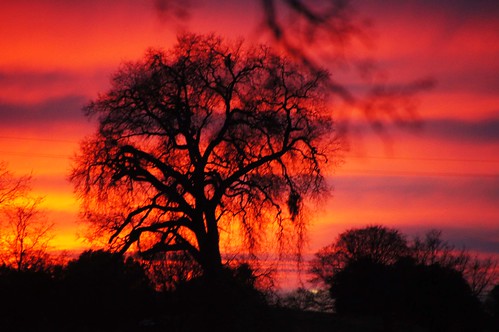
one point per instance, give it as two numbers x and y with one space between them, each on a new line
26 235
376 244
25 232
432 249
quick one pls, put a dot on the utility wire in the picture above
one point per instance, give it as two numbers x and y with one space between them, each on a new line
355 171
420 174
37 139
35 155
346 156
425 159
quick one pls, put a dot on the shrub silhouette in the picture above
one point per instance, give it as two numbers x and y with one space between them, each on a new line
430 296
440 298
104 287
228 303
492 303
363 287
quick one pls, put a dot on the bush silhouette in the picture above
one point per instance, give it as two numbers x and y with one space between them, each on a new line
363 287
104 287
229 302
430 296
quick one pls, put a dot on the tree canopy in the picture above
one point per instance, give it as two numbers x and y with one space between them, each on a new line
208 137
375 271
376 244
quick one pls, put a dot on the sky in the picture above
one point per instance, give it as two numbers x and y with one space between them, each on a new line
58 55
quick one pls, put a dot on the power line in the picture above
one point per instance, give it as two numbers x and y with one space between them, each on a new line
356 171
347 156
420 174
37 139
425 159
36 155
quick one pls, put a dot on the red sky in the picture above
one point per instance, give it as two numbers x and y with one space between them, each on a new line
57 55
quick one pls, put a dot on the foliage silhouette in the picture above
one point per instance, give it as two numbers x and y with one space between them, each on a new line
432 249
424 284
376 244
208 136
103 286
492 306
231 303
102 291
440 298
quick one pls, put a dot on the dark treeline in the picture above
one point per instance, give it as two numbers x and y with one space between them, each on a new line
103 291
97 289
377 281
424 284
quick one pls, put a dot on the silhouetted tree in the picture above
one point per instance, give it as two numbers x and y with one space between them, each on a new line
481 274
425 284
25 232
432 249
11 187
203 137
376 244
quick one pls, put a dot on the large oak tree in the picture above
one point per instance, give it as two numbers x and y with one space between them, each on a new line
210 136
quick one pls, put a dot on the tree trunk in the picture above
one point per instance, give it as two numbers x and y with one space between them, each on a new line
212 264
210 250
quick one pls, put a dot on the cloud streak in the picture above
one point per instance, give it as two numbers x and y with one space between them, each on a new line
49 113
474 131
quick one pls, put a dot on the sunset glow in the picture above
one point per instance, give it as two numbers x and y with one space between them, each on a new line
56 56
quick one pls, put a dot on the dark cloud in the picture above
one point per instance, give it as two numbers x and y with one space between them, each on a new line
479 131
418 189
53 111
459 206
484 242
29 79
476 78
485 130
479 239
25 84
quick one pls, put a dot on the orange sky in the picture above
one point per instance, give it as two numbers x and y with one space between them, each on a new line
57 55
